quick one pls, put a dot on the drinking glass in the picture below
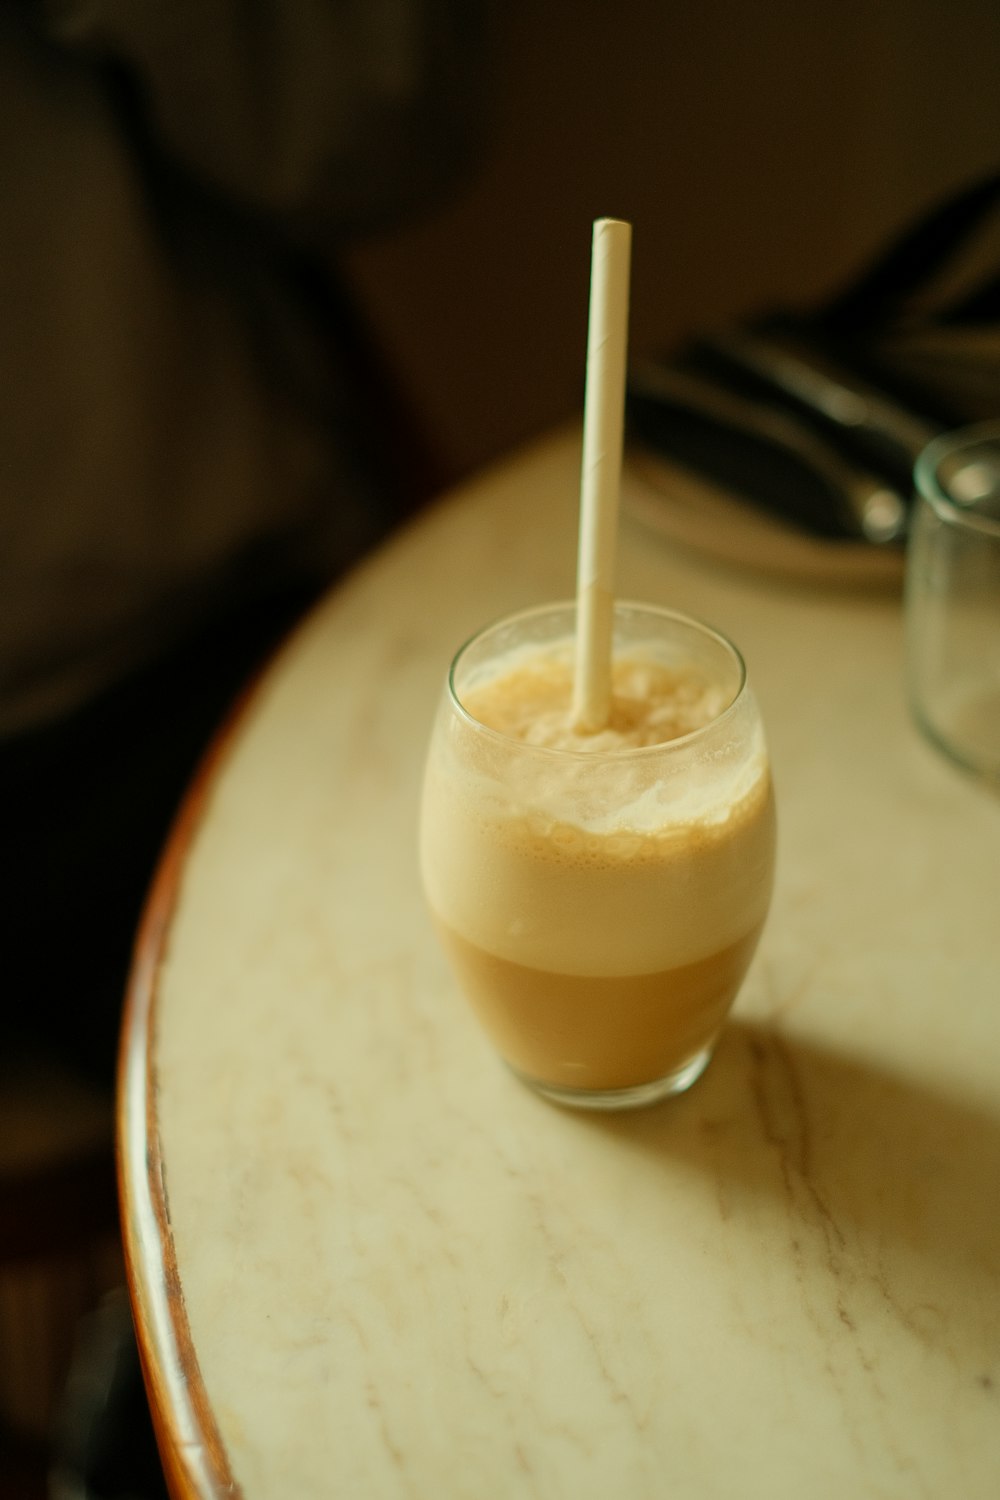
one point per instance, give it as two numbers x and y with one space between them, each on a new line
952 603
600 905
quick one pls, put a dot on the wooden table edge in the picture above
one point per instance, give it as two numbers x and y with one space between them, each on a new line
195 1462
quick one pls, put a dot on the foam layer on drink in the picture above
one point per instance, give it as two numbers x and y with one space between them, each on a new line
597 855
651 703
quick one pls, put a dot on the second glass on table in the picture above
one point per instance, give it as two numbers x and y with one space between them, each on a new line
599 896
953 598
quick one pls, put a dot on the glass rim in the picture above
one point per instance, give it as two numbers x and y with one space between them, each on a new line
927 468
560 752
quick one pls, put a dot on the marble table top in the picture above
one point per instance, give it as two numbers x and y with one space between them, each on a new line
365 1261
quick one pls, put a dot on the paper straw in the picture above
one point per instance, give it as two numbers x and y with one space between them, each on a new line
603 422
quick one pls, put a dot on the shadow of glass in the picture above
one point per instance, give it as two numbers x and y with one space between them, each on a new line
877 1189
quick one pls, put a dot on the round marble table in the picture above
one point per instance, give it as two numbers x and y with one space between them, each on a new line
366 1262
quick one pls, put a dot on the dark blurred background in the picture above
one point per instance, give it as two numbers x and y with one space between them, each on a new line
762 151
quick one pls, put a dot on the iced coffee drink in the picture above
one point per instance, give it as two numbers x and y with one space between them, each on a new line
599 895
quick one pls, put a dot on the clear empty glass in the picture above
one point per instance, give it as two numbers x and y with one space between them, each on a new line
953 597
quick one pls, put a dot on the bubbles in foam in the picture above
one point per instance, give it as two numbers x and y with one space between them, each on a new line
529 698
612 858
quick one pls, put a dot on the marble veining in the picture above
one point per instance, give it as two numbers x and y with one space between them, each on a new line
407 1276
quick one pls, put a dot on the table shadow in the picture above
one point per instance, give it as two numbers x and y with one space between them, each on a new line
885 1185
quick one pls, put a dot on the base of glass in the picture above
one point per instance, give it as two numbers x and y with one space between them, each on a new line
975 757
637 1096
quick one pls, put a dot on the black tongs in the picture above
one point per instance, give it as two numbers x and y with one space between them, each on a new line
866 421
763 452
802 414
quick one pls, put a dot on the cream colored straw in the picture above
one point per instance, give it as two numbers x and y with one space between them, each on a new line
603 423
